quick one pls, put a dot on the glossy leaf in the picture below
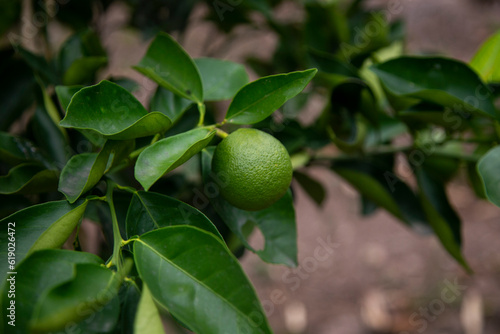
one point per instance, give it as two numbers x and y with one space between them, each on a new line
149 211
91 287
489 171
83 171
113 112
259 99
147 318
169 153
171 67
221 78
442 81
41 226
40 272
440 214
28 179
277 223
191 273
166 102
486 61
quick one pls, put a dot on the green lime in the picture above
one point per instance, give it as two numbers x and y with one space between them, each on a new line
256 167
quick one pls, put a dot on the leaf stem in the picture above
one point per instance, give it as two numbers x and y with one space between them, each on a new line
221 133
117 238
201 109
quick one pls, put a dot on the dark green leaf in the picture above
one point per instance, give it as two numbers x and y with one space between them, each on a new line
28 179
169 153
488 168
170 66
221 78
40 272
149 211
129 300
147 318
259 99
440 214
166 102
41 226
277 223
113 112
314 189
40 66
10 12
15 150
83 70
443 81
486 60
191 273
65 93
91 288
83 171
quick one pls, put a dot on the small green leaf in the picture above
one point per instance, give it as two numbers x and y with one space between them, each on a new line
38 273
91 288
486 61
41 226
113 112
259 99
489 171
170 66
83 171
166 102
440 214
28 178
147 318
148 211
169 153
277 223
446 82
191 273
221 78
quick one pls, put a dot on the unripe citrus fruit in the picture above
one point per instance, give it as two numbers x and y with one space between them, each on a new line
256 166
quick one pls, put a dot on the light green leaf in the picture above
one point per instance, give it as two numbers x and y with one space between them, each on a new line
446 82
170 66
193 275
489 171
277 223
148 211
221 78
91 288
28 178
147 318
486 61
41 226
38 273
259 99
169 153
111 111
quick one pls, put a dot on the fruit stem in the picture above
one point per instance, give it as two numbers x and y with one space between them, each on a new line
221 133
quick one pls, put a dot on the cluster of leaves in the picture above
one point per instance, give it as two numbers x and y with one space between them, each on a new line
94 151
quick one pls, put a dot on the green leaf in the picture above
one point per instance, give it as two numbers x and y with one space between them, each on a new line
91 288
488 168
440 214
443 81
147 318
259 99
166 102
486 61
28 178
170 66
313 188
191 273
169 153
41 226
129 300
40 66
83 70
38 273
65 93
149 211
15 150
221 78
83 171
113 112
277 223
